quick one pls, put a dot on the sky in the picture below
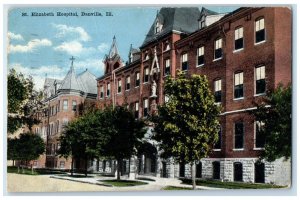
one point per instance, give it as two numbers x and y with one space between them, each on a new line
42 46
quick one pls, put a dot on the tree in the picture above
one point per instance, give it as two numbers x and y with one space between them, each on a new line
126 134
83 138
27 147
22 99
187 126
275 114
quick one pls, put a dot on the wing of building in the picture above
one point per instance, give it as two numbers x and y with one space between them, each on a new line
244 54
63 101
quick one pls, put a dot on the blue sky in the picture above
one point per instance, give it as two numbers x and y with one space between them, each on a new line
43 45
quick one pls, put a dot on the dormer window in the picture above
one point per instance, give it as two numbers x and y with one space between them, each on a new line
158 27
202 22
131 58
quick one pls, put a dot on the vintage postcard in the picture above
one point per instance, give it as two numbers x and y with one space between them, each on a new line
148 98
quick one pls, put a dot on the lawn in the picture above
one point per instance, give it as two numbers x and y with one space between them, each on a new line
176 188
11 169
231 185
145 179
123 183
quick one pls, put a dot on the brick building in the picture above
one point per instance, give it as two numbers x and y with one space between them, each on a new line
63 101
243 53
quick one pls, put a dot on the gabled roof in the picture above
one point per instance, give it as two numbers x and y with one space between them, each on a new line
183 19
206 12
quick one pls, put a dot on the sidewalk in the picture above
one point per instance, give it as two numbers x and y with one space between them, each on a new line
156 185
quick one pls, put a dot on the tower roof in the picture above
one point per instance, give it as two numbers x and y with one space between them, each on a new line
113 49
70 81
183 19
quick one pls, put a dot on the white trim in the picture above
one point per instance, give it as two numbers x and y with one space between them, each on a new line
242 110
216 149
200 65
258 43
218 59
237 99
242 149
238 50
258 148
260 94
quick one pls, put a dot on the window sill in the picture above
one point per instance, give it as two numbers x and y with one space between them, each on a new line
260 94
145 60
166 50
217 59
119 93
136 86
200 65
238 50
217 103
238 149
146 83
258 43
258 148
237 99
127 90
216 149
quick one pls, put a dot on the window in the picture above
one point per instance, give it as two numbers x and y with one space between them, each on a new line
238 135
166 46
238 38
238 171
218 48
216 170
157 27
218 143
136 110
199 170
57 126
238 85
146 56
260 30
200 58
128 83
166 99
74 105
259 137
184 62
137 79
259 172
101 92
146 75
58 106
146 107
167 67
108 89
218 92
119 86
202 21
260 80
62 164
65 105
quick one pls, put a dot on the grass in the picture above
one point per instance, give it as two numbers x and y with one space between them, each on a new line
123 183
176 188
231 185
145 179
11 169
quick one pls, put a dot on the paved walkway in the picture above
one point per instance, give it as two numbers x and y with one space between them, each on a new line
56 183
156 185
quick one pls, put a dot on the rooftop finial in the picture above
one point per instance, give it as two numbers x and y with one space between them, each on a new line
72 60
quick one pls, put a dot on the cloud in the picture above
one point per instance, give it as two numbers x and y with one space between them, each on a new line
13 36
103 47
72 48
30 46
69 31
38 73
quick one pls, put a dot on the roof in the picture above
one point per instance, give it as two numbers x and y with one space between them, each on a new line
50 81
88 82
136 54
205 11
70 81
183 19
